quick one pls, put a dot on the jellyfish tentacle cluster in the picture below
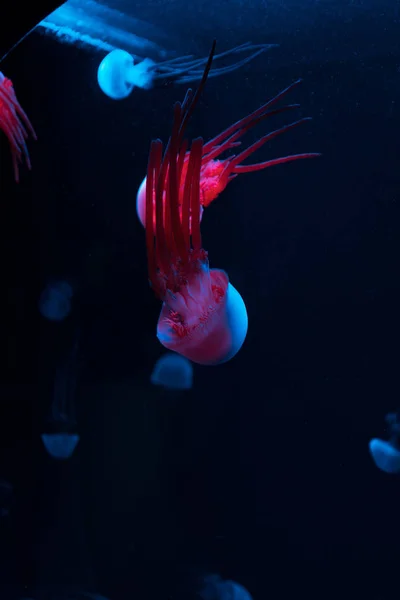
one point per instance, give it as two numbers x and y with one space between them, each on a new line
216 173
118 73
15 124
203 317
188 69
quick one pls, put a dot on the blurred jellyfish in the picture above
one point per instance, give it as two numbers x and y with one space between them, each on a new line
94 25
173 371
119 72
55 300
61 437
6 490
386 453
216 588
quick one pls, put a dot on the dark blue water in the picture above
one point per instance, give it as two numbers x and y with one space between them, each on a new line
260 473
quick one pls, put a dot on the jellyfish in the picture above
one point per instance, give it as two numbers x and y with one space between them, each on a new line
55 300
61 438
216 173
118 73
386 453
203 317
15 124
173 372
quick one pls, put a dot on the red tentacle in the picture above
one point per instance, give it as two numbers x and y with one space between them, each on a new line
248 119
234 163
196 153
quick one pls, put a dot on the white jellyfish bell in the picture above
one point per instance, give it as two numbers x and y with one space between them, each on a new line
61 438
118 74
55 300
173 371
386 453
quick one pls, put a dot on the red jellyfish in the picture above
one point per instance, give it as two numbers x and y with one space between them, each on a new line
215 174
15 124
203 317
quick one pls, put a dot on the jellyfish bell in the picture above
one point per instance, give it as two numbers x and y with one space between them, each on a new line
385 455
60 446
173 372
55 300
393 422
60 437
208 302
118 74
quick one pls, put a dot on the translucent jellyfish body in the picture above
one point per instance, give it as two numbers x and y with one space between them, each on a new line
55 301
117 74
173 372
61 438
386 453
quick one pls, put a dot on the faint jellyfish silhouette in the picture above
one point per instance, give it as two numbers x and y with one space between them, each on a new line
216 588
6 490
61 437
55 300
386 453
173 371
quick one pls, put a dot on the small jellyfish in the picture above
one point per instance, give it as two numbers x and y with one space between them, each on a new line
61 437
216 588
386 453
173 371
55 300
118 74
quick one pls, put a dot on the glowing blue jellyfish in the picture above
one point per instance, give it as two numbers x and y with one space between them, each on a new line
216 588
173 372
119 73
55 301
386 454
61 437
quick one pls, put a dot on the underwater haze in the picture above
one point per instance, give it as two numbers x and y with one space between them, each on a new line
252 229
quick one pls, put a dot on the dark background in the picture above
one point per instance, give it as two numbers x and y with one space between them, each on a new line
263 468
